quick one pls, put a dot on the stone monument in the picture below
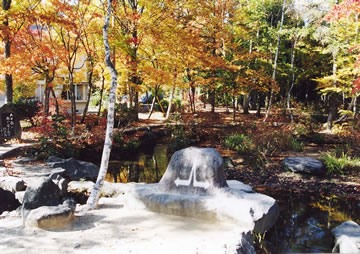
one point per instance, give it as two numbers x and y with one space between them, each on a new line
9 123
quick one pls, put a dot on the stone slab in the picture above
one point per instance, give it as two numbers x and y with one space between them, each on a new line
306 165
253 211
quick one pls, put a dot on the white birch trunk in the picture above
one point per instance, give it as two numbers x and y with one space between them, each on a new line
276 59
171 100
288 98
95 193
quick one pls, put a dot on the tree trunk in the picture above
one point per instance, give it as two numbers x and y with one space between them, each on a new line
101 91
86 109
355 106
171 99
212 100
56 101
275 60
234 108
95 193
90 75
47 91
47 99
258 109
192 98
333 104
288 97
152 107
333 97
7 45
246 104
156 91
73 102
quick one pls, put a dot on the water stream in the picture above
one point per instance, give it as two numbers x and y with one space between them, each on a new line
305 221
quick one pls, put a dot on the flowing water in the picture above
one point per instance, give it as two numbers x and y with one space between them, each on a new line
305 221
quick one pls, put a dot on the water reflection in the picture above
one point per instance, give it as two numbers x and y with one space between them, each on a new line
305 223
146 166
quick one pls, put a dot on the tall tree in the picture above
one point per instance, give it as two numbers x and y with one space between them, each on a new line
6 4
90 41
339 37
35 49
95 193
14 16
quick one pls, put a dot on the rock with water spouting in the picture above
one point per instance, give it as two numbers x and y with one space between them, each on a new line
194 185
193 170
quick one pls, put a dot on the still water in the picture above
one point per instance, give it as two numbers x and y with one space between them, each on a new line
305 221
146 166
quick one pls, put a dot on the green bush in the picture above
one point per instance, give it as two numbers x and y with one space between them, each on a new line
179 138
124 116
164 105
125 145
26 109
296 145
238 142
336 164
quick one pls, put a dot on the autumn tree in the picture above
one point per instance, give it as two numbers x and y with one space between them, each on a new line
345 18
6 4
91 42
14 15
128 16
339 37
36 51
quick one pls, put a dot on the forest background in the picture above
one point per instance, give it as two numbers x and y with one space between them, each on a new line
254 53
294 61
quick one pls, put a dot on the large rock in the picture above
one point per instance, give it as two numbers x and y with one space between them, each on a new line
75 170
44 206
304 165
51 217
8 202
193 170
194 185
347 237
43 192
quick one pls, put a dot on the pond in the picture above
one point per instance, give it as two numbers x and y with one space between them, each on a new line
305 220
147 166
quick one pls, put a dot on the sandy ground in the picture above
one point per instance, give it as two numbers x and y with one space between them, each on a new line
113 228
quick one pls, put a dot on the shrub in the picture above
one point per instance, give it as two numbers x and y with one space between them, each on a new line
336 164
179 138
125 116
238 142
125 145
276 141
26 109
164 105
